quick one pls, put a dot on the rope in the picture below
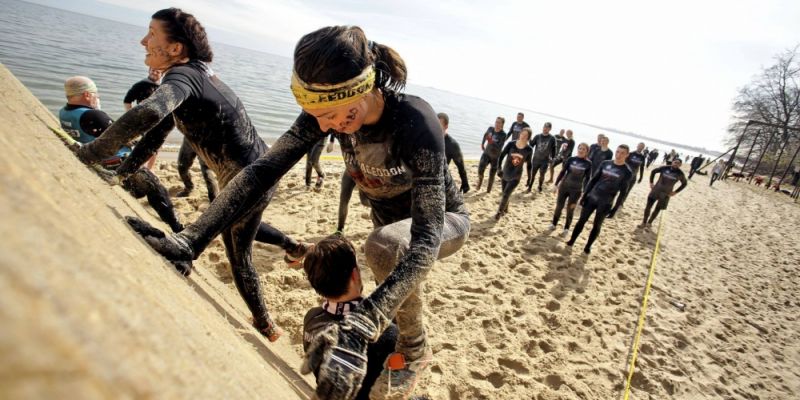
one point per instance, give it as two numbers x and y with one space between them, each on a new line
643 311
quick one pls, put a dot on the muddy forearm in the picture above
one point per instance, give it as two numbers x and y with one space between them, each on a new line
248 188
133 123
146 147
427 220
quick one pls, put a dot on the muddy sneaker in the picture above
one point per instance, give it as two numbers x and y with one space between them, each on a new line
399 377
295 256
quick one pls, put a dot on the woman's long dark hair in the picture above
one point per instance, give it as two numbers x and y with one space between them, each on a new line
184 28
337 53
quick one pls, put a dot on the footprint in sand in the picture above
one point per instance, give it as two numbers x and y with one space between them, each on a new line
518 367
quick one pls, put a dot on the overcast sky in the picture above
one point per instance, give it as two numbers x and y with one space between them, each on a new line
668 70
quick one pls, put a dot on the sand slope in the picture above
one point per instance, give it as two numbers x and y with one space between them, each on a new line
87 310
513 315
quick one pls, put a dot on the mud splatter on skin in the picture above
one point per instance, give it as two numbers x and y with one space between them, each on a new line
216 126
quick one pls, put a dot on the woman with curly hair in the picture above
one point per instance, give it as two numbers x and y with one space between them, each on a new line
215 124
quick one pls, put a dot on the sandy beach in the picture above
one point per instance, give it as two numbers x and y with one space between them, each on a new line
90 311
515 314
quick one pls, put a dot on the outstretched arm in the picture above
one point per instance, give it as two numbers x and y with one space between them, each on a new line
135 122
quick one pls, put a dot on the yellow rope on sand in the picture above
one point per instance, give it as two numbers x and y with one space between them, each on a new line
643 311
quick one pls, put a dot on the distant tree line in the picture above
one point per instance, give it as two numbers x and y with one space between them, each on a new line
773 96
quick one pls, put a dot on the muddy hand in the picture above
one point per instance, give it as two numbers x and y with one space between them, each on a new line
174 248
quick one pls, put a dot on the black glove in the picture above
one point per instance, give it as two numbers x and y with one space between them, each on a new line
338 356
174 248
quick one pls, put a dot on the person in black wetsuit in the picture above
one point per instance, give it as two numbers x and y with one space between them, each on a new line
519 157
574 176
453 152
140 91
651 157
224 139
564 146
516 127
82 118
495 136
333 272
662 191
695 164
595 146
609 178
601 153
393 149
635 162
544 150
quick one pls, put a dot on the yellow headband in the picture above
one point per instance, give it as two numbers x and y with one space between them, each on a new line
316 96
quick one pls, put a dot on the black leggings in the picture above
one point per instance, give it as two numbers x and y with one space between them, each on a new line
602 207
563 195
186 156
662 204
541 167
312 160
508 188
492 162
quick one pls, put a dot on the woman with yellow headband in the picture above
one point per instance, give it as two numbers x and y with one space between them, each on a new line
215 124
394 150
